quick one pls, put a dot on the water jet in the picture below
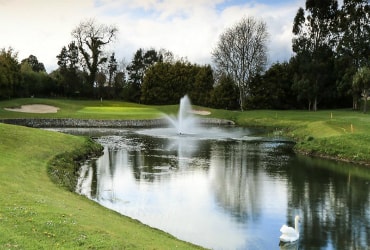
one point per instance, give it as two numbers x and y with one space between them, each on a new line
185 122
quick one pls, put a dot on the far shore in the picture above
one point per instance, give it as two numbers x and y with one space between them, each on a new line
322 133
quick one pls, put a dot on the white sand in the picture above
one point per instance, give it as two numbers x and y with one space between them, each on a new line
35 108
201 112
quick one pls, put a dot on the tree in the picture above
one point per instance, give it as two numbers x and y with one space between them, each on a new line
91 38
101 79
63 59
272 90
36 83
225 94
353 51
73 59
361 81
200 94
10 73
119 84
36 66
241 54
355 32
136 70
313 45
166 83
112 68
68 68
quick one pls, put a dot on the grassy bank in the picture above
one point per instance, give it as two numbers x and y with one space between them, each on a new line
337 134
37 214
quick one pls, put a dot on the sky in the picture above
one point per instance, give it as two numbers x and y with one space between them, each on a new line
188 28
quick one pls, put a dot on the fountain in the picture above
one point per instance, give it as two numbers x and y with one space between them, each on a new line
185 123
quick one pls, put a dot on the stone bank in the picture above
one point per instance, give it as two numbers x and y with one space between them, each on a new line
92 123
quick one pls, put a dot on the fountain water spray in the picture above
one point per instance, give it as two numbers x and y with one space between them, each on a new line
185 122
187 128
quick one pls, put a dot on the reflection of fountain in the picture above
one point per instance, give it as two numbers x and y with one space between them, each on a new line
186 122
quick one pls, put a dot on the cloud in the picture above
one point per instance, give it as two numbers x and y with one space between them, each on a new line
191 28
188 28
40 27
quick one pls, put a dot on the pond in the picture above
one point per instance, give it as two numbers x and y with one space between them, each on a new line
229 192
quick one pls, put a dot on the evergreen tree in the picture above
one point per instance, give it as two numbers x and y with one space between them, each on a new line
36 66
112 69
10 74
313 44
200 94
166 83
68 62
225 94
353 51
137 68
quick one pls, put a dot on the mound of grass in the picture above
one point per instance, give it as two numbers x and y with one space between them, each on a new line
338 134
63 169
37 214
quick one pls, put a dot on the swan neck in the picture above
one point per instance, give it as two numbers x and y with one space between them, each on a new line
296 227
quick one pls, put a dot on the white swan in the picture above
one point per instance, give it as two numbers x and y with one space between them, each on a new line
289 234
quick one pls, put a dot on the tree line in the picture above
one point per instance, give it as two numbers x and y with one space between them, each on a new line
329 68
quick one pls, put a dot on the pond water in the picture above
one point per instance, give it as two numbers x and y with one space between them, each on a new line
229 192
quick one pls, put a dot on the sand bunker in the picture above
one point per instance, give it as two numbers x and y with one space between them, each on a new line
35 108
200 112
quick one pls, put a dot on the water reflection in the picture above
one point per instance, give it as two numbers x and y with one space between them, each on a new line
231 194
334 200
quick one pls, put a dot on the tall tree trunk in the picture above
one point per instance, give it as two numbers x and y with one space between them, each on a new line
354 103
366 95
241 97
314 108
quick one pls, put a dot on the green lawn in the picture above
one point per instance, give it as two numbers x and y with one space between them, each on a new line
341 134
82 109
35 213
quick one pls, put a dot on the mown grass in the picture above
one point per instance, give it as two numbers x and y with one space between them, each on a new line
82 109
339 134
37 214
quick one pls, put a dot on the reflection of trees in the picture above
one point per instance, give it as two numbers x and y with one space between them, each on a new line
238 169
234 180
335 206
99 177
333 199
103 171
149 159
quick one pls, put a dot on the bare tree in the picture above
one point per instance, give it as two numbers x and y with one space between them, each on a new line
91 37
242 53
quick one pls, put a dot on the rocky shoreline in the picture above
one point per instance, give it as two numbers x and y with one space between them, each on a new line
95 123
